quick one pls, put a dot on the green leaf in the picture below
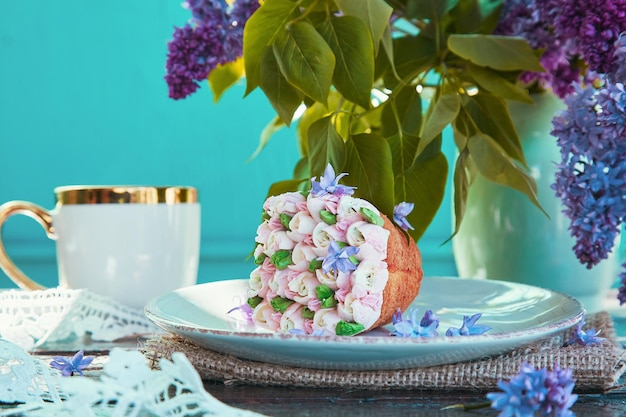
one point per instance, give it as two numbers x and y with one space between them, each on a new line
369 165
284 220
491 116
281 187
414 55
306 60
352 45
461 189
328 217
315 264
476 16
260 31
432 10
268 131
326 296
281 259
401 124
371 217
280 304
491 81
284 97
344 328
444 111
325 146
424 185
307 313
496 165
504 53
374 13
259 259
224 76
254 301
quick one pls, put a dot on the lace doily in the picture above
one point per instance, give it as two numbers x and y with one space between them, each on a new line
127 388
32 318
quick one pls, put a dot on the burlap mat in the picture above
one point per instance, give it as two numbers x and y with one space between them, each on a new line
596 368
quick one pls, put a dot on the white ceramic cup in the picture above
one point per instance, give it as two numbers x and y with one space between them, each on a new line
131 243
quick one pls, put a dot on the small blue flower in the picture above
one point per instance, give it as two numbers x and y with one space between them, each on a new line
329 184
426 327
535 390
69 366
338 259
584 338
469 327
400 211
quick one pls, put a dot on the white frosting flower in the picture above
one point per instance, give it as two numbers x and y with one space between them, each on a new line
302 223
350 207
327 279
326 319
257 287
265 316
369 277
367 311
344 309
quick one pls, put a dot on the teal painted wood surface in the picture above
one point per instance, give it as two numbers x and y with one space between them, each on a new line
83 101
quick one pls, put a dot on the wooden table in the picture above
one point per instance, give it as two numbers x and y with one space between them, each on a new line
293 402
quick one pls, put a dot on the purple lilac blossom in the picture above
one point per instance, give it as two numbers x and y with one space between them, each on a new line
400 211
591 176
338 259
426 327
584 337
213 37
245 310
469 327
532 390
531 19
329 184
69 366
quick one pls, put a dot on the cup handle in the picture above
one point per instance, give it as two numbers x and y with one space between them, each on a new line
44 218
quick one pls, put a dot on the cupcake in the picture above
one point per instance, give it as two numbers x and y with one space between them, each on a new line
330 263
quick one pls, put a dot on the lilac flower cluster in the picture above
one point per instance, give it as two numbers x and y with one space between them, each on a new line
214 36
575 35
591 175
428 324
548 392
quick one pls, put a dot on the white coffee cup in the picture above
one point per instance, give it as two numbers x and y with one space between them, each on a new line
131 243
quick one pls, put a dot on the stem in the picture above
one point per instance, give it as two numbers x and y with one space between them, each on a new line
468 407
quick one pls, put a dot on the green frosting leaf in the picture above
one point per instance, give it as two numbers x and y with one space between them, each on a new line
326 296
344 328
307 313
323 292
328 217
281 259
259 259
371 216
284 220
315 264
254 301
280 304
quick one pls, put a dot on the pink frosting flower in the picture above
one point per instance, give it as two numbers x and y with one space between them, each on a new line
278 240
327 202
303 285
292 318
376 237
265 316
303 252
350 208
286 203
278 284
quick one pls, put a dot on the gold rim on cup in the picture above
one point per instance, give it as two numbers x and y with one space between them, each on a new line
78 194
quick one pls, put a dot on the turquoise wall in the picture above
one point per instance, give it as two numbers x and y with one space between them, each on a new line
83 101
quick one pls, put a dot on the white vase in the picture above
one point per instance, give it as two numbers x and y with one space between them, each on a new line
504 236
